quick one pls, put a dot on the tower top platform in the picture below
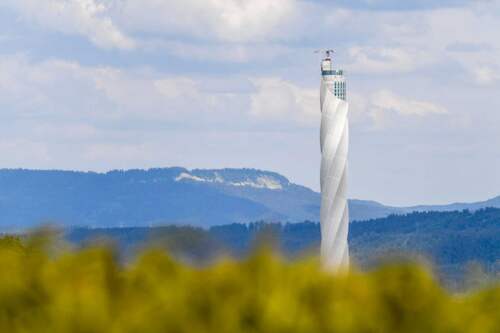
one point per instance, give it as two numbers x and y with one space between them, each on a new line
327 65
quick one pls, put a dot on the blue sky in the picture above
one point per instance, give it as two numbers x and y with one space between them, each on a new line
104 84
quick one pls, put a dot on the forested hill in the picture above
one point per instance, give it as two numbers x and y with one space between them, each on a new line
451 240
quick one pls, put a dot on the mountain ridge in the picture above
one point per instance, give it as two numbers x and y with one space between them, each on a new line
174 195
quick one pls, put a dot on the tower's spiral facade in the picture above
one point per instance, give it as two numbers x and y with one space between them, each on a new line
334 139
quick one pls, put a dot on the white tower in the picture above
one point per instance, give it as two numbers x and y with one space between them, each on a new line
334 148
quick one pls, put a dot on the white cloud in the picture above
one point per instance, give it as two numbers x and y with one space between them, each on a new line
224 20
88 18
486 75
20 150
465 36
219 52
214 30
417 42
67 91
384 109
387 100
283 101
386 60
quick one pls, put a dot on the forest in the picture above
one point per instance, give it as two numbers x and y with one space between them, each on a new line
452 243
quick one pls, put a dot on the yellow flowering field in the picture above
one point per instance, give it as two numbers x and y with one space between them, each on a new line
43 289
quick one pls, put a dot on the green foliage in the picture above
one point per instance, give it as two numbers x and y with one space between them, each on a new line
90 291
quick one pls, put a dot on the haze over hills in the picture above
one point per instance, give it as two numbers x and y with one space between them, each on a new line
170 196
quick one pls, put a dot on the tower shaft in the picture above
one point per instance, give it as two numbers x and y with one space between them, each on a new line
334 141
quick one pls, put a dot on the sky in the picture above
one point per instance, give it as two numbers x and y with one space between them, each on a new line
119 84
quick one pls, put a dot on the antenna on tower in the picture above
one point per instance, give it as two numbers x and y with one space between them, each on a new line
327 52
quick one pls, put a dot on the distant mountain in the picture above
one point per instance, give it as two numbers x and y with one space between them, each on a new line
169 196
360 210
495 202
150 197
365 210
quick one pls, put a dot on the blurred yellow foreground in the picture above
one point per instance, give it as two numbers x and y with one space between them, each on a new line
90 291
